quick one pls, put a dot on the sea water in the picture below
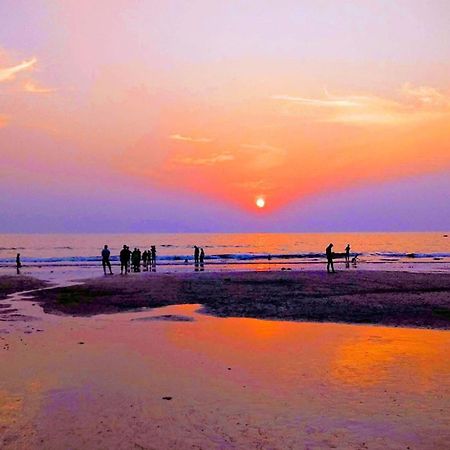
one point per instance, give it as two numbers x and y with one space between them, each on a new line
426 250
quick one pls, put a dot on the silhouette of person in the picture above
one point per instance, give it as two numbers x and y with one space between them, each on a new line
202 259
196 255
136 260
330 265
202 256
153 253
347 253
130 259
18 263
105 259
124 259
144 260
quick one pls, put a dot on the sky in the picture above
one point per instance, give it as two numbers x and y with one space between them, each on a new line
144 115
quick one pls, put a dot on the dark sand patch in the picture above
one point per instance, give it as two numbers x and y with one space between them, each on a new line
10 284
165 317
391 298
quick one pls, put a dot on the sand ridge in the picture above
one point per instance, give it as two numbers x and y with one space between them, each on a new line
390 298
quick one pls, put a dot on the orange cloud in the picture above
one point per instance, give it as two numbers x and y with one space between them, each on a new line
180 137
320 145
9 73
206 161
414 104
31 87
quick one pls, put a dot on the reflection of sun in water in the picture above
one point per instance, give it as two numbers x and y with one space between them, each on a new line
260 202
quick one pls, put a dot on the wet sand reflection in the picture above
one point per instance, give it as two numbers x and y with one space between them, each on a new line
100 382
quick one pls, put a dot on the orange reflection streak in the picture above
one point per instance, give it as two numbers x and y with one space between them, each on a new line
351 356
369 359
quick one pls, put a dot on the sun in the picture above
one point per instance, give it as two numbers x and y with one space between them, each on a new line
260 202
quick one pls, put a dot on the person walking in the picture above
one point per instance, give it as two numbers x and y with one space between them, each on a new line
329 253
105 259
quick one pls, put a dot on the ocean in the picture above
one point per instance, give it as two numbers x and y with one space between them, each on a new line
427 250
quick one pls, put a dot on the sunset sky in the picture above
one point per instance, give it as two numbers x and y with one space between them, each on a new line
150 115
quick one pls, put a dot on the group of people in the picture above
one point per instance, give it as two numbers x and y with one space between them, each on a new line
331 255
131 260
199 258
199 255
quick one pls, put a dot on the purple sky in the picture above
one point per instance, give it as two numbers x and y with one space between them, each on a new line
127 115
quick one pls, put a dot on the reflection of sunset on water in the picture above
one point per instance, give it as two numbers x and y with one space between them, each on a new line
349 355
370 357
292 380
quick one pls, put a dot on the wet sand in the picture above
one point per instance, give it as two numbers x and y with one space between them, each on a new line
174 378
112 381
390 298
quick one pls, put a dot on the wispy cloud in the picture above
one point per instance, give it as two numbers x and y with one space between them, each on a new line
426 95
263 147
31 87
9 73
267 156
180 137
327 103
206 161
411 104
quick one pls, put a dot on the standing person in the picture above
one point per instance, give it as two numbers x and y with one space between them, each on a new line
145 260
196 255
138 259
135 259
153 253
347 254
105 260
150 256
329 252
124 259
202 256
18 263
202 259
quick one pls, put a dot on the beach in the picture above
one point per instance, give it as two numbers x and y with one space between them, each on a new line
390 298
224 225
184 360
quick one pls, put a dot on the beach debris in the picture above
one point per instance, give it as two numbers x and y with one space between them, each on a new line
167 398
81 342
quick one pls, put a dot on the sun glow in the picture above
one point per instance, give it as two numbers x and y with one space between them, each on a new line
260 202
